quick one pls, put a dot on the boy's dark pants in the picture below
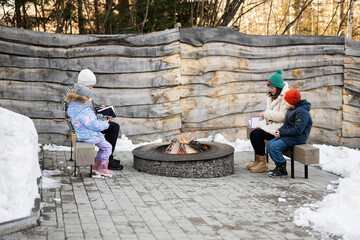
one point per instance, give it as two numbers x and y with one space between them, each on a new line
111 135
257 139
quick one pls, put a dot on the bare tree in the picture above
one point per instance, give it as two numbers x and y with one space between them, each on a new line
59 10
249 10
332 18
97 20
109 4
146 15
344 17
350 17
297 17
268 19
88 15
231 8
81 19
18 13
284 19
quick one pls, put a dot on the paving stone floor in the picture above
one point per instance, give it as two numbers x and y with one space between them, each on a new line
135 205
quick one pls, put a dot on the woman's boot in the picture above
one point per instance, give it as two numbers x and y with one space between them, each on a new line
253 164
262 166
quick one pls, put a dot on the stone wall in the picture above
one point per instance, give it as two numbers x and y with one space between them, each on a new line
199 81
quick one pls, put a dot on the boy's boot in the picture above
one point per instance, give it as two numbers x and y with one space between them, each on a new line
95 167
104 171
279 171
271 171
262 165
253 164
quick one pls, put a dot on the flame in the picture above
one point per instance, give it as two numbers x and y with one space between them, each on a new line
183 139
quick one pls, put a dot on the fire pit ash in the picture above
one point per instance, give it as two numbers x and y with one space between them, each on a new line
213 160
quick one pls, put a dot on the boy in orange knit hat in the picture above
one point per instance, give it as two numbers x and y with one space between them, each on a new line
296 130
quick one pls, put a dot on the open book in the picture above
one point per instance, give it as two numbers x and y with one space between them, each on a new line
108 111
255 122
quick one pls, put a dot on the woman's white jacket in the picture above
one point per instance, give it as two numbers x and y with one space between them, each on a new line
275 111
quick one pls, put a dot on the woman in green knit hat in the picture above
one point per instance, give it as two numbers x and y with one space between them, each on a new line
275 116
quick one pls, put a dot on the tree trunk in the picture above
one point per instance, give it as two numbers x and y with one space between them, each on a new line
146 15
24 18
350 17
81 18
192 14
297 17
268 19
88 15
105 26
18 13
97 20
132 13
59 11
231 9
43 15
332 18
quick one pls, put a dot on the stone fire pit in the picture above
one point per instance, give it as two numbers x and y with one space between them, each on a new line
217 161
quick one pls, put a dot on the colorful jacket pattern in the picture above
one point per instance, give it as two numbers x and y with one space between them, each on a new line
95 107
86 125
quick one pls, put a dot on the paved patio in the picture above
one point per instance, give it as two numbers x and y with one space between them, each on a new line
135 205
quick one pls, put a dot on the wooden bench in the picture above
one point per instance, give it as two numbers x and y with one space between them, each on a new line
302 153
84 154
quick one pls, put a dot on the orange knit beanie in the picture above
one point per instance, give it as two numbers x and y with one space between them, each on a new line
293 96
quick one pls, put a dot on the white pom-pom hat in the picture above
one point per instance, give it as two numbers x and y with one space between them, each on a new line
86 78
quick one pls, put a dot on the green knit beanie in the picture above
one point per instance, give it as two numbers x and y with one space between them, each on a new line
276 80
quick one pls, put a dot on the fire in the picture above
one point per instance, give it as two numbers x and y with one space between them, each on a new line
182 139
184 145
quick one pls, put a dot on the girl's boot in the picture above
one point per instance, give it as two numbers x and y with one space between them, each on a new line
95 167
103 169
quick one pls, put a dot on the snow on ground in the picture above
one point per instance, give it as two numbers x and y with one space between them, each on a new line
48 180
19 165
339 212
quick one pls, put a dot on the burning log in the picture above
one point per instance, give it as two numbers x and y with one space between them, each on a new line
177 147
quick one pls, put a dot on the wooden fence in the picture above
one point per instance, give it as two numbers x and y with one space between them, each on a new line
195 81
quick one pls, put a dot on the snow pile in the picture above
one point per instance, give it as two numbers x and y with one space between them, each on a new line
19 165
239 145
48 180
125 144
338 213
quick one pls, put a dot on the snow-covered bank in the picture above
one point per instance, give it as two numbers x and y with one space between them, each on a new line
19 165
339 212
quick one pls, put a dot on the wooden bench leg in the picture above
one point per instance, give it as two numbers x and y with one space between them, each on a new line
292 163
306 171
75 169
71 151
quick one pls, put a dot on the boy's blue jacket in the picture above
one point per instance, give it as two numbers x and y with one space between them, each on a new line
86 126
298 123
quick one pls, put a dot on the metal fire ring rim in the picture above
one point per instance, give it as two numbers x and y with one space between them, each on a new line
217 150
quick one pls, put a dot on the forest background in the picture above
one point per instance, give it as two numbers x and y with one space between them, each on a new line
258 17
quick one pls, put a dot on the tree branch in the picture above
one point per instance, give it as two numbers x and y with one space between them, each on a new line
297 17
